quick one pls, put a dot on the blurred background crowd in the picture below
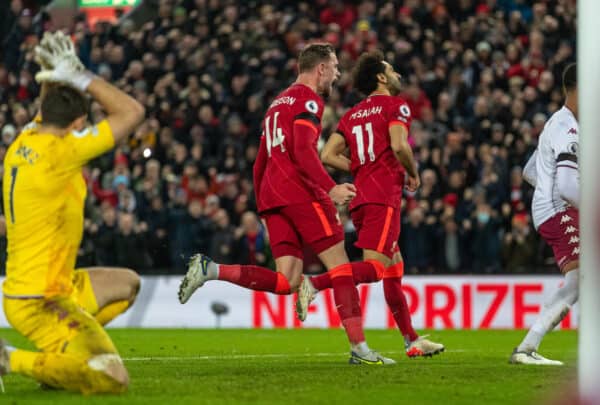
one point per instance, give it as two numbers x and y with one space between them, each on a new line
481 78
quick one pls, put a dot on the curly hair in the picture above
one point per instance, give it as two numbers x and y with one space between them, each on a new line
364 75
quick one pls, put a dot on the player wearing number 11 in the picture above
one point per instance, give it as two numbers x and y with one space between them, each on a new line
376 133
295 197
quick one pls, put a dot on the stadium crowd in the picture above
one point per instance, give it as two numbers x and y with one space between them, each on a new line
481 78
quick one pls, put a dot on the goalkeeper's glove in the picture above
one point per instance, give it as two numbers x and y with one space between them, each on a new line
60 64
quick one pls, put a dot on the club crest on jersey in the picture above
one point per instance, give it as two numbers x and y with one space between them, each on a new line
404 110
28 154
573 148
312 106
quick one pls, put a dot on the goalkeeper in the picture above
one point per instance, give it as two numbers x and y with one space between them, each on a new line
57 308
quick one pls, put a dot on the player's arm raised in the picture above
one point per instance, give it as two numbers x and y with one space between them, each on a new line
403 152
123 112
332 153
60 64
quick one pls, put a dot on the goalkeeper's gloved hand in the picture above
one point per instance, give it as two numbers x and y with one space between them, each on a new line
60 64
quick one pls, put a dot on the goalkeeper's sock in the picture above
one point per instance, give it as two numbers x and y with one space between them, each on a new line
554 310
394 296
111 311
347 302
368 271
254 277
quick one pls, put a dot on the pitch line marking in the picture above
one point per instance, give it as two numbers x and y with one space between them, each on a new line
254 356
239 356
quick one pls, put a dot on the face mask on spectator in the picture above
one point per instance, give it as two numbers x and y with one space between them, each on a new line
483 217
120 179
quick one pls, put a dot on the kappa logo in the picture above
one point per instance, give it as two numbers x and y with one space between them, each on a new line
565 219
575 251
574 239
570 229
572 131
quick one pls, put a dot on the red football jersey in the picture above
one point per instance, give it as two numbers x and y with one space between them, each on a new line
378 176
287 169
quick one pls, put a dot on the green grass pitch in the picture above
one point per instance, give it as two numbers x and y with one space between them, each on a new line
179 366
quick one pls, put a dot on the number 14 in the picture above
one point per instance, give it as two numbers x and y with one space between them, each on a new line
357 130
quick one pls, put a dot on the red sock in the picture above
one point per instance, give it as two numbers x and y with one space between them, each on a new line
392 289
255 278
369 271
347 302
322 281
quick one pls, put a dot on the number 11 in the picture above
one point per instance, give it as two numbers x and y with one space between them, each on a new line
360 144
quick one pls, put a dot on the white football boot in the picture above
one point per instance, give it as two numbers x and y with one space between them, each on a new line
306 295
200 269
532 357
372 358
424 348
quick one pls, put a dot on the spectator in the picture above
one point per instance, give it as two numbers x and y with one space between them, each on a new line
130 243
223 242
519 246
105 237
16 37
480 79
416 239
9 12
157 220
486 242
451 245
189 232
252 242
343 15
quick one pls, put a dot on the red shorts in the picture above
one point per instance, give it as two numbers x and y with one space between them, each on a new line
377 227
562 234
315 223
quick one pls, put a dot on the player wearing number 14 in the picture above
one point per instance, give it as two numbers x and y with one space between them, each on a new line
295 196
376 131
